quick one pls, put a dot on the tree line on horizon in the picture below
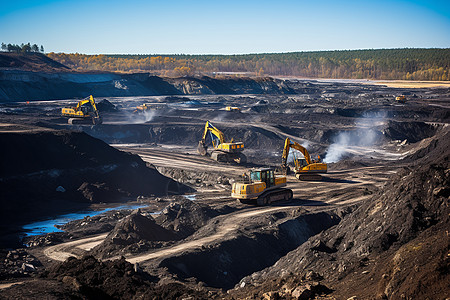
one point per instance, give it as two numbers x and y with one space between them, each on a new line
384 64
22 48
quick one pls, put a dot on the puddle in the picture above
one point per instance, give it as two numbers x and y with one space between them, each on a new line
48 226
190 197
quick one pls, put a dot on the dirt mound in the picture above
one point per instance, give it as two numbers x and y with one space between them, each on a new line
410 131
378 246
185 216
223 263
106 106
432 149
89 278
30 62
135 233
64 170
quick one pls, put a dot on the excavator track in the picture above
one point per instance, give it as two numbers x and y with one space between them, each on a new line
274 195
229 157
308 177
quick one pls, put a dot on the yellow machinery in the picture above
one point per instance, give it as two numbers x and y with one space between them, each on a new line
262 187
224 152
401 98
149 106
232 108
86 110
304 168
142 108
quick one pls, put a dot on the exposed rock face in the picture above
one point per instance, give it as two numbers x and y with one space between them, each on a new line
17 85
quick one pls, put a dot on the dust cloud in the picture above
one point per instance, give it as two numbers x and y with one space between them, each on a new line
365 135
144 117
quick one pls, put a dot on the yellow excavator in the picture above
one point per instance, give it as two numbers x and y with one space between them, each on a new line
85 111
262 187
233 108
304 168
223 152
401 99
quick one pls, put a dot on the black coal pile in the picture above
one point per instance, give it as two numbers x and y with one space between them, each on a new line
412 132
65 170
88 278
394 246
17 263
106 106
133 234
184 216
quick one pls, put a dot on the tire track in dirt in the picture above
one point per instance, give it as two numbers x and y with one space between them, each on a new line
63 251
309 191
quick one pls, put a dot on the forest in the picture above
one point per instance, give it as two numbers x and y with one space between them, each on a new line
392 64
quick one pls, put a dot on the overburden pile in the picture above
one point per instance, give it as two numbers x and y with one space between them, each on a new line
134 233
394 245
47 172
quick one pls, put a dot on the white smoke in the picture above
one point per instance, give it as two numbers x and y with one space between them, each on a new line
142 117
220 117
363 136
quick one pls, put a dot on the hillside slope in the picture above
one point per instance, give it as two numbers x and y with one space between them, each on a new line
37 62
394 246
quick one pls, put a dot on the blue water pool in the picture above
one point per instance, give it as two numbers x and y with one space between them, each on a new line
48 226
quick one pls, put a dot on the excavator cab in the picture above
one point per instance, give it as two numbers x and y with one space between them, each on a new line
263 175
262 188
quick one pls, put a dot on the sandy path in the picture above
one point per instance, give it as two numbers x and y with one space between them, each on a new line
165 158
61 252
10 284
231 223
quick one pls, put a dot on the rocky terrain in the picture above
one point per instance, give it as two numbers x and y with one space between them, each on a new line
374 228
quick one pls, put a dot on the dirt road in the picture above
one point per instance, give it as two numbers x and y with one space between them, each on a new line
338 188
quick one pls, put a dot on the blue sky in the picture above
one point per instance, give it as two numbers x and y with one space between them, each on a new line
223 27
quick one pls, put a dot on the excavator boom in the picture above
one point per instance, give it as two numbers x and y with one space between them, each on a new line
223 151
304 169
85 109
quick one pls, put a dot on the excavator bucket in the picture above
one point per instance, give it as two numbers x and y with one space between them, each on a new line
201 148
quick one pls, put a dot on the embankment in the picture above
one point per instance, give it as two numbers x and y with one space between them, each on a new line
20 85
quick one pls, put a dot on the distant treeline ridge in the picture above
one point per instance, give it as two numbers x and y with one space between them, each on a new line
406 64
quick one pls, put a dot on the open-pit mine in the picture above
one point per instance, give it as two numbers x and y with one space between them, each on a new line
146 216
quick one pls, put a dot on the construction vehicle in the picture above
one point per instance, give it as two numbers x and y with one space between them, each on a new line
223 152
233 108
149 106
262 187
85 112
401 99
304 168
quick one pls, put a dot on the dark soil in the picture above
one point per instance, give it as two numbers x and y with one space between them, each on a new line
66 170
134 234
116 279
389 244
30 62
